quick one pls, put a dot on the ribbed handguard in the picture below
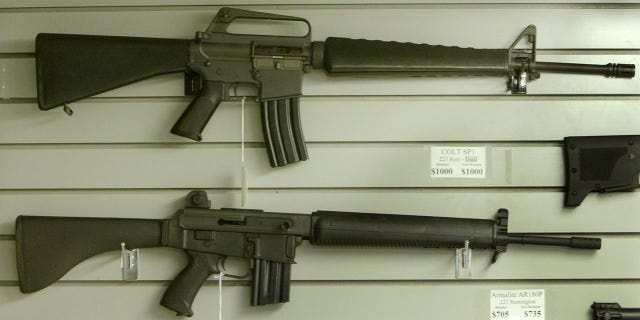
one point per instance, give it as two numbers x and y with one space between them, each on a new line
374 57
367 229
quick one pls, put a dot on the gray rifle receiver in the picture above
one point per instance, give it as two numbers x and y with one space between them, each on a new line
71 67
268 239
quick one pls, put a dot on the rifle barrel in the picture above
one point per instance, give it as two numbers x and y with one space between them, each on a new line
573 242
615 70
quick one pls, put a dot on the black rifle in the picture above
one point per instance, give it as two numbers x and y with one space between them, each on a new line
269 239
72 67
613 311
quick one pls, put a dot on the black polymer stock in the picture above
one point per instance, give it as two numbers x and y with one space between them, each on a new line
72 67
269 239
600 164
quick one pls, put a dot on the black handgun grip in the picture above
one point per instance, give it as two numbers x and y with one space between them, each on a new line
195 118
375 57
282 131
181 292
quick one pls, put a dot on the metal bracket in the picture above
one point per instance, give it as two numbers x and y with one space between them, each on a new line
522 62
518 82
463 261
129 263
3 81
600 163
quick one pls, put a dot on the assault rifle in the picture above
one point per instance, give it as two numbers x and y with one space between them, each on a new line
613 310
72 67
269 239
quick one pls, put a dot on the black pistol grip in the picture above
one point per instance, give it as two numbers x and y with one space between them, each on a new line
182 291
282 131
195 118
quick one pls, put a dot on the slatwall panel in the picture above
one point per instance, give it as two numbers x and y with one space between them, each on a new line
369 141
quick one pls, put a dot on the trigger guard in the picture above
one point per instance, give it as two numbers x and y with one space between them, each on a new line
220 265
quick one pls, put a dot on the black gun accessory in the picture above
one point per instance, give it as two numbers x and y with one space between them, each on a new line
71 67
613 311
268 239
601 164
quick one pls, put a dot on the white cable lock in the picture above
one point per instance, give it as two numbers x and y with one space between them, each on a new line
219 277
3 82
243 169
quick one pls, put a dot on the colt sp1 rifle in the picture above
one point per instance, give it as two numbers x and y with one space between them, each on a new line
268 239
71 67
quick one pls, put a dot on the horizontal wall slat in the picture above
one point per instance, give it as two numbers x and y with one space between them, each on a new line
530 211
219 167
89 4
366 263
310 301
488 27
330 120
21 82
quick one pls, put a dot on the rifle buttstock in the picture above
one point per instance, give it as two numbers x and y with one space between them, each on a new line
65 62
48 247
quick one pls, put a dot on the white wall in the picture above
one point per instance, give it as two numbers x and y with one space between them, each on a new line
369 144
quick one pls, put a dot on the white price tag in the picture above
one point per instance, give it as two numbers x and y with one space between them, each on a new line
517 304
459 162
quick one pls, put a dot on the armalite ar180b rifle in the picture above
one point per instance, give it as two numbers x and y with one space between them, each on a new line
268 239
